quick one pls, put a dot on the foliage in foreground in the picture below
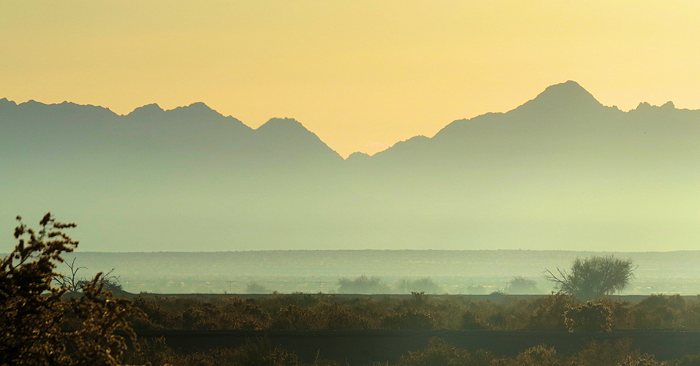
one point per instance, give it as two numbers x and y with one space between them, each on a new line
617 353
437 353
40 326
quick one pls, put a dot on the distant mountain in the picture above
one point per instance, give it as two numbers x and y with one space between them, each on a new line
285 137
561 171
186 132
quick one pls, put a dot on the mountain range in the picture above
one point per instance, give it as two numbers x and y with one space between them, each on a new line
561 171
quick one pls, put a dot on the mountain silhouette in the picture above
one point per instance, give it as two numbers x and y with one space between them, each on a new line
285 137
560 171
568 96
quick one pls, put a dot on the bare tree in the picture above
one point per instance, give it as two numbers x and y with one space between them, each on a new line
70 281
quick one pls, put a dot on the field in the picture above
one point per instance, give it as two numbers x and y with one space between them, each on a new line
391 329
300 308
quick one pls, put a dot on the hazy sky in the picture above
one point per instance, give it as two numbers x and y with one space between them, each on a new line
360 74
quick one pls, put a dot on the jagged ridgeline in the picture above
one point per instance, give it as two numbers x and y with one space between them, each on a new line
561 171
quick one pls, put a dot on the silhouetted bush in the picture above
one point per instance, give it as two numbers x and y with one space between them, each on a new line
39 326
593 277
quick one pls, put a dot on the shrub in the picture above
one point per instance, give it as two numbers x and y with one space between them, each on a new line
589 317
692 360
540 355
329 315
548 313
255 352
199 318
593 277
637 359
439 352
598 353
411 319
658 312
472 321
292 317
38 325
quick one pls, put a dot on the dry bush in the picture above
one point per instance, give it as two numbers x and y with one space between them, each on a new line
589 317
548 313
472 321
319 312
658 312
539 355
439 352
40 326
255 352
409 320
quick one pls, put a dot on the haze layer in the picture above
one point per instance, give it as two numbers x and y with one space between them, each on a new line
561 171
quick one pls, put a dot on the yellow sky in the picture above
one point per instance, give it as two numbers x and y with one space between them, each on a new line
360 74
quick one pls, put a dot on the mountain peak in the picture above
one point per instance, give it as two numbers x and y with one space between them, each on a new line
146 109
668 105
569 84
7 102
566 95
646 106
198 106
197 109
291 137
282 124
285 129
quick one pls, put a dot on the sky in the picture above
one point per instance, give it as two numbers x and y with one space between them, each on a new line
360 74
